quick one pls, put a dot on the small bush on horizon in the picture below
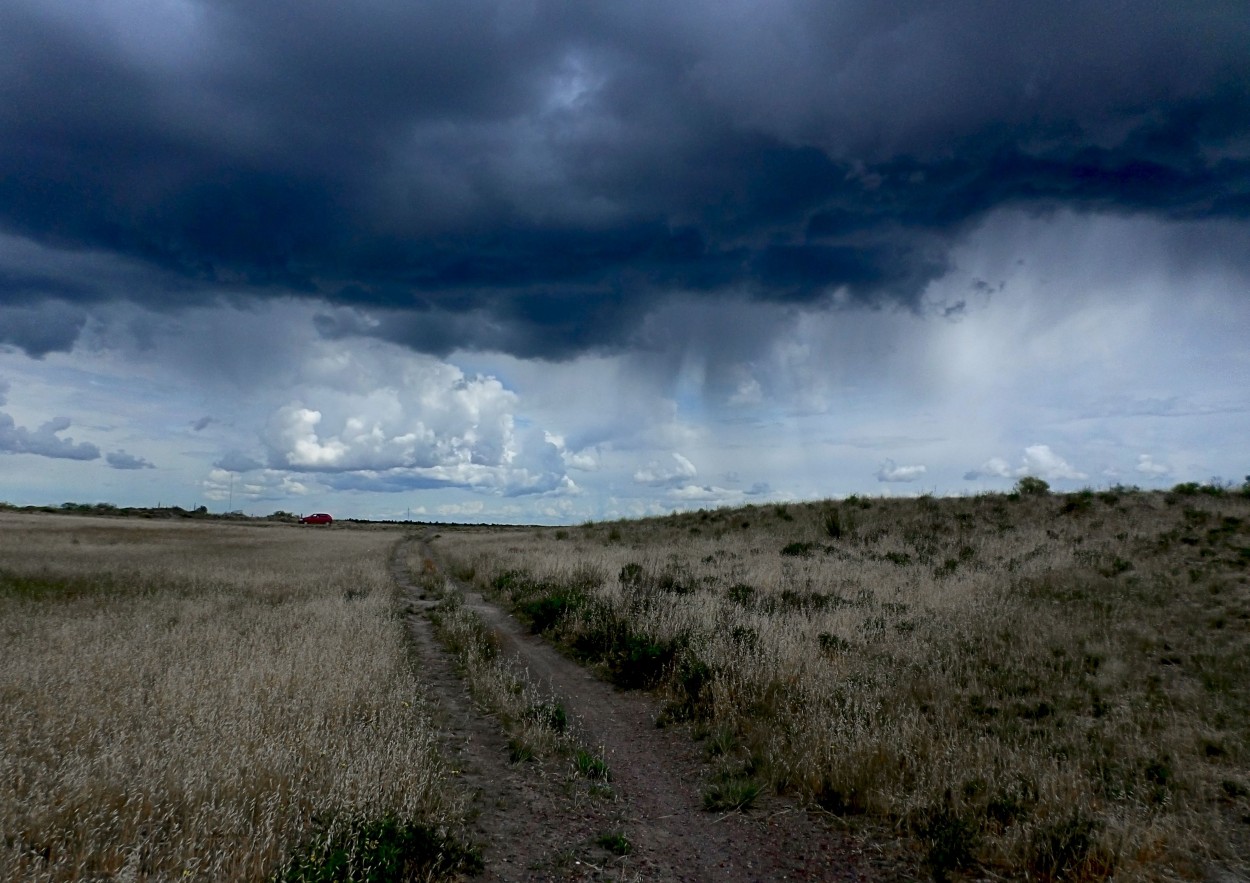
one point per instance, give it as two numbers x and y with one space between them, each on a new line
1032 486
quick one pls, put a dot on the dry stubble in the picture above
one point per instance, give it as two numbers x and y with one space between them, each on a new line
191 700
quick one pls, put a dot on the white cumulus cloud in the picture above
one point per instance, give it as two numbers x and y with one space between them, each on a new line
222 485
1041 461
1038 460
391 422
655 473
890 471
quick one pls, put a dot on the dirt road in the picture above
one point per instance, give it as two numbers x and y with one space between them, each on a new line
533 826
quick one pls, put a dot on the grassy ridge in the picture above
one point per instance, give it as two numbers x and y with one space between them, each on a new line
211 702
1036 685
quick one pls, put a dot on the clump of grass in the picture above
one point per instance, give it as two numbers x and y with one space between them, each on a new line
949 840
1067 849
632 660
615 842
378 850
833 643
730 793
545 611
831 521
591 766
520 750
721 742
798 549
742 595
550 714
464 633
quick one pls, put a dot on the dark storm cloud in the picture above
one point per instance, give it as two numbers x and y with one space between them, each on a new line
122 460
44 441
533 177
237 461
41 327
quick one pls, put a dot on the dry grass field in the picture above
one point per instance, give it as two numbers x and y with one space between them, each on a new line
210 702
1018 686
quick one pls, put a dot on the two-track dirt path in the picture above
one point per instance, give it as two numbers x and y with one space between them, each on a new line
534 827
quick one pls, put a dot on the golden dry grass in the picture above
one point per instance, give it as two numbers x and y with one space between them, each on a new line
1042 687
189 701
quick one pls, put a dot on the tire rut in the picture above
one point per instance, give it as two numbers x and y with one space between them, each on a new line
656 774
529 823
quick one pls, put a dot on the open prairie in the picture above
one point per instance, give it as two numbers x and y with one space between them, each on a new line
1023 686
207 701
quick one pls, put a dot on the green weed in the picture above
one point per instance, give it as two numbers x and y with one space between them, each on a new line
614 842
378 850
591 766
730 793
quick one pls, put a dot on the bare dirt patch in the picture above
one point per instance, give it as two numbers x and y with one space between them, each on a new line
533 825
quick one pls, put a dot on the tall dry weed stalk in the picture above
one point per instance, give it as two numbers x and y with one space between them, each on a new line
191 701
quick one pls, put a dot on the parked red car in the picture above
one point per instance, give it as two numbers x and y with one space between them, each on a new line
318 518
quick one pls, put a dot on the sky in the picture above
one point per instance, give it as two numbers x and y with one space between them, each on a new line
551 262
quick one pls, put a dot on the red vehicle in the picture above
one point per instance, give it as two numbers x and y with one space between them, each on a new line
318 518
